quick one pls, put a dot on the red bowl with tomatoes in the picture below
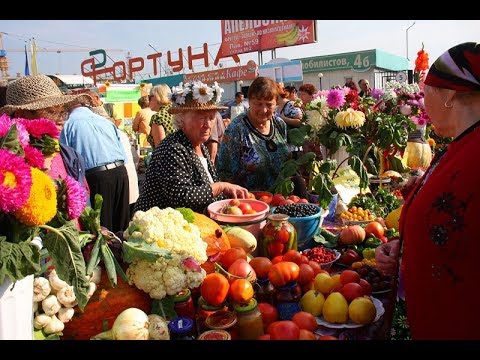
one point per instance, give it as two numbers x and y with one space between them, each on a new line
238 210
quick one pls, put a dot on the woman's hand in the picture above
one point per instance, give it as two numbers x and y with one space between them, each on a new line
386 257
229 189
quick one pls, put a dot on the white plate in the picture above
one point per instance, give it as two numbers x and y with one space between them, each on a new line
350 324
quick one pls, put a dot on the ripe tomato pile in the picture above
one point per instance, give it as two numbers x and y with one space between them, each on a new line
320 255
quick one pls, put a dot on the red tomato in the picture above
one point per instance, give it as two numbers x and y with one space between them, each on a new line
261 265
305 320
275 248
348 276
234 202
304 260
283 272
277 259
241 291
214 288
303 201
282 235
351 291
294 198
269 314
367 288
284 330
264 337
375 228
306 274
231 255
306 335
315 266
293 256
245 207
277 199
243 269
266 199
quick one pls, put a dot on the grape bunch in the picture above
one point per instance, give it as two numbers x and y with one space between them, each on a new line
297 210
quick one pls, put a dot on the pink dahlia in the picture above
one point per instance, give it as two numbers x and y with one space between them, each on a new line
5 125
37 127
76 198
34 157
15 181
376 93
335 98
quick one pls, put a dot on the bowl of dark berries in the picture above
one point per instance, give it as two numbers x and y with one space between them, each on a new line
306 218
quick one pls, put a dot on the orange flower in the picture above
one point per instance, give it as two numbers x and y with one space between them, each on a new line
421 62
431 142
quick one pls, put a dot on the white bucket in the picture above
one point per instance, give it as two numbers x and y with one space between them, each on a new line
16 309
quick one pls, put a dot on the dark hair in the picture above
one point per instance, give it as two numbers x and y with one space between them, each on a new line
238 94
263 88
291 89
143 102
310 89
3 96
350 84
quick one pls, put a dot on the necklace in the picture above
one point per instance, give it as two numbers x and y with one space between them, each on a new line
269 142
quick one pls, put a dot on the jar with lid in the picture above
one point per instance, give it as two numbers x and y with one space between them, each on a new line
223 320
215 335
278 236
264 290
183 304
203 310
249 320
181 328
287 300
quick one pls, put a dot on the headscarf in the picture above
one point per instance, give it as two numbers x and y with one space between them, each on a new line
457 69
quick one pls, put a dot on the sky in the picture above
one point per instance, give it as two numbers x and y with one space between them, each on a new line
136 36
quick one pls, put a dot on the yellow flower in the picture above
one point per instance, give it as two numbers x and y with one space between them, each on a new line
41 206
142 85
349 118
107 83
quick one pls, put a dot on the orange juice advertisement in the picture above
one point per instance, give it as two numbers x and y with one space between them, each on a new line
243 36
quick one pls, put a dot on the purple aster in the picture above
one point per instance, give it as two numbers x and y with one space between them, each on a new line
37 127
34 157
335 98
15 181
76 198
376 93
6 123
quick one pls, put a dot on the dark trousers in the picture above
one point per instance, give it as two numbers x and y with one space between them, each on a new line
113 186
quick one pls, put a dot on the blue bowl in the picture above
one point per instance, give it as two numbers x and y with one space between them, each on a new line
306 227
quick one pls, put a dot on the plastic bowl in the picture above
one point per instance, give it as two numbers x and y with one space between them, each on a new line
306 226
327 265
215 208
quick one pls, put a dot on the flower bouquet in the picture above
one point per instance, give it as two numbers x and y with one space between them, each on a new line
36 209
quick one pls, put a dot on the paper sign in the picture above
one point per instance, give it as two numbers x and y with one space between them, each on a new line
347 184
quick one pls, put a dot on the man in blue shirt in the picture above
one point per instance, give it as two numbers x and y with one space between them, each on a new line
97 139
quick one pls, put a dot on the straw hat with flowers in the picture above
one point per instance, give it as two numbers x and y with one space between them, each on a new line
195 96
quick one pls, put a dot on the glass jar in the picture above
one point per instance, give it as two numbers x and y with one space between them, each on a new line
204 309
183 304
287 300
223 320
249 320
264 290
278 236
215 335
181 328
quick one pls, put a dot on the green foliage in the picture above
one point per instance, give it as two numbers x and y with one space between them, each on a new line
18 260
11 141
187 214
137 249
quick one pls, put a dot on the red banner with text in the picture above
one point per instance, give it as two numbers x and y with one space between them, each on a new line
243 36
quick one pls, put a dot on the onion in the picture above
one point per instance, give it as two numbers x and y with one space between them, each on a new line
130 324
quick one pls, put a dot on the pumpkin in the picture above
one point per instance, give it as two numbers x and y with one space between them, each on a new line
216 239
417 155
351 235
105 305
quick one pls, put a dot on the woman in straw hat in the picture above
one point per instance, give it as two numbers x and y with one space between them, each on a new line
438 224
254 146
36 97
181 173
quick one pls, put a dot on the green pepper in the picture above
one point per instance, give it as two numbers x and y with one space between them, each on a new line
368 253
372 242
358 248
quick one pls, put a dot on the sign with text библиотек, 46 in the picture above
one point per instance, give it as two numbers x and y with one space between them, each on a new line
244 36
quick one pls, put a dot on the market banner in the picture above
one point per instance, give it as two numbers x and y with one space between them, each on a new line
246 72
244 36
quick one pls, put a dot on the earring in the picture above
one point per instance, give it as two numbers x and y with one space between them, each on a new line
448 105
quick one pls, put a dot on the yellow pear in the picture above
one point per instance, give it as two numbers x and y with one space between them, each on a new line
335 309
362 311
336 280
393 219
312 302
323 283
